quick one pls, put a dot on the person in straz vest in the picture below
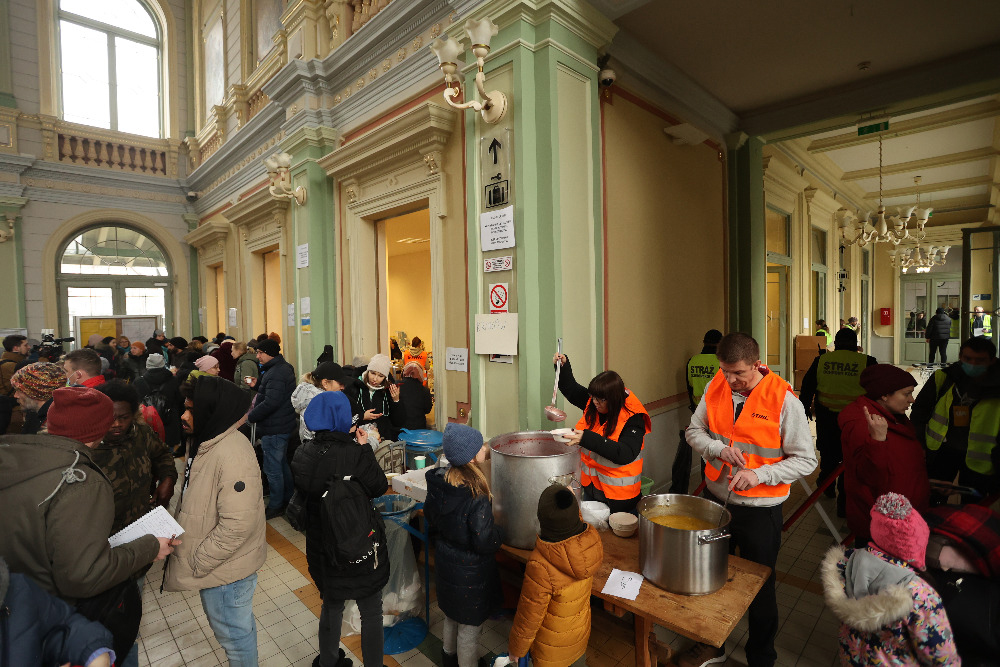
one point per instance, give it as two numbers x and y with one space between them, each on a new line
823 329
834 381
610 433
753 435
702 367
981 324
853 325
957 419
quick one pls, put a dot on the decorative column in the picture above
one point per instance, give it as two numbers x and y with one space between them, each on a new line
6 76
12 261
307 29
747 236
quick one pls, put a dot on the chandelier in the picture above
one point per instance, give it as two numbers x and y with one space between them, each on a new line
878 227
918 257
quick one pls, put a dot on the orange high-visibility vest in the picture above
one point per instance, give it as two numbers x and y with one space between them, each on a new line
614 481
420 358
755 433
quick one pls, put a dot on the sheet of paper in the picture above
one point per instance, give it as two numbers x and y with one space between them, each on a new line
623 584
496 333
496 229
302 256
456 359
291 314
157 523
232 317
304 305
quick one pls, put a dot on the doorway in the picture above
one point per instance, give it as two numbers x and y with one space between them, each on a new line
405 303
921 297
112 270
777 318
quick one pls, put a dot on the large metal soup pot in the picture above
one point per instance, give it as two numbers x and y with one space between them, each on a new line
521 466
687 562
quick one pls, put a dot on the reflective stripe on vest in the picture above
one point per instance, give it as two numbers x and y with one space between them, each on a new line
984 425
617 482
700 370
755 433
953 331
838 378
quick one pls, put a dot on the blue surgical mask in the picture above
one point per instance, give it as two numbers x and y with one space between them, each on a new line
973 371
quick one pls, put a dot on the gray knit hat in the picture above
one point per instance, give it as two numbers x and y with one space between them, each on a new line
461 443
154 361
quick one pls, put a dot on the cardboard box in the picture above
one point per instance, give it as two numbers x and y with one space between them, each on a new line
797 385
807 348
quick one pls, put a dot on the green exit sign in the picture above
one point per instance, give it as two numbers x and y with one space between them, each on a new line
872 129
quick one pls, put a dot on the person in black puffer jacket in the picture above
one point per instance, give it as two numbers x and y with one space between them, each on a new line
459 511
938 334
276 420
378 396
40 629
334 452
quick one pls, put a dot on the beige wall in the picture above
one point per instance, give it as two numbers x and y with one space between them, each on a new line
409 295
666 257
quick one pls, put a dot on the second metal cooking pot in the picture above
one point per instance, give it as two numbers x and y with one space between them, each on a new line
522 465
687 562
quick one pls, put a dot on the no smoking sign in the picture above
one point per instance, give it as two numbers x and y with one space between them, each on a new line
498 298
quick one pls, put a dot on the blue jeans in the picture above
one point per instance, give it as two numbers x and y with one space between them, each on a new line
229 609
279 474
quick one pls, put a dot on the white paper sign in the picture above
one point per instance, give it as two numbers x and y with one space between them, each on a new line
496 229
496 333
498 298
157 523
456 359
304 305
232 317
505 263
302 256
291 314
623 584
201 316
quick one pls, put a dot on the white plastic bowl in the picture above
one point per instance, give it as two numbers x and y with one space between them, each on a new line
623 524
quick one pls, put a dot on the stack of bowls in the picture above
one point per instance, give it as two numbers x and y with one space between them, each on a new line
624 524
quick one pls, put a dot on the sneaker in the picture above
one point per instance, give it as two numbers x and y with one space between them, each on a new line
701 655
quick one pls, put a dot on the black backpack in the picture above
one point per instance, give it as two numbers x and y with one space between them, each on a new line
352 529
158 400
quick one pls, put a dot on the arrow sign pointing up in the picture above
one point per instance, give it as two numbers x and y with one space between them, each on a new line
495 149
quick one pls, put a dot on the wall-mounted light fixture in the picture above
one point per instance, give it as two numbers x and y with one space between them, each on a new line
8 234
447 50
278 170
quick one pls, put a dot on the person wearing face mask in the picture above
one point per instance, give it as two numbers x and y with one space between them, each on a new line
378 396
881 452
957 419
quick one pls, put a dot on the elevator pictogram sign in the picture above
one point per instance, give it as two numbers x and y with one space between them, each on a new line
498 298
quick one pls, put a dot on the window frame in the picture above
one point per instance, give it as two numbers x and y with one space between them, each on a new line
111 32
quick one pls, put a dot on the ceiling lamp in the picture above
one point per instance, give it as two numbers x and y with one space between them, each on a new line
918 257
877 227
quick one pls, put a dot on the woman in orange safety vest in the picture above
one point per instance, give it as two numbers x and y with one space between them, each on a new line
610 434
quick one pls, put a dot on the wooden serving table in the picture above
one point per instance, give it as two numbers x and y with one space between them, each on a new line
705 618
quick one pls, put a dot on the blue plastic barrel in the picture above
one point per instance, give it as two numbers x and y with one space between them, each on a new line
421 442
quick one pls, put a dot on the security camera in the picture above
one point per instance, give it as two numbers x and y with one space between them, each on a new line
192 196
607 77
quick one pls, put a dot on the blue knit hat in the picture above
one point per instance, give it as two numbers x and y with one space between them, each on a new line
461 443
329 411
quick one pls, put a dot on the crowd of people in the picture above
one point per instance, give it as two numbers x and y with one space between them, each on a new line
93 439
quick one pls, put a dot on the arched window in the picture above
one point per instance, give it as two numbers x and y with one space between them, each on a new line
113 270
110 54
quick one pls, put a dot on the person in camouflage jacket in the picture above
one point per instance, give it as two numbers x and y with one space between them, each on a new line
133 458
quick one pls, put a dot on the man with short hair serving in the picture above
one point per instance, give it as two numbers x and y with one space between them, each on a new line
750 426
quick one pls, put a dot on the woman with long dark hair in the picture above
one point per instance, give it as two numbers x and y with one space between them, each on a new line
610 434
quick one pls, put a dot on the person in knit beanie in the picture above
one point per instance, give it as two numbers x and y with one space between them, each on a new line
881 450
889 614
378 396
553 614
207 364
33 387
459 510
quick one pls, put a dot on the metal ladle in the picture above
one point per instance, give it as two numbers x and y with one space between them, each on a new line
552 413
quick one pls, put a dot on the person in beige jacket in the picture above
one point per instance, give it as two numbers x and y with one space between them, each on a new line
222 512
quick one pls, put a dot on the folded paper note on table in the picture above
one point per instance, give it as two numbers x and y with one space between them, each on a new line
623 584
157 523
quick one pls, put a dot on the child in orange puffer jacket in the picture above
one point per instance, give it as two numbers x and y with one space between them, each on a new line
553 614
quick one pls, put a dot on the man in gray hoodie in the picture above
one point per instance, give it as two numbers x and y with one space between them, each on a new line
750 426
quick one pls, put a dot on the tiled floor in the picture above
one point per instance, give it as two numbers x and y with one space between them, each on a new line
175 632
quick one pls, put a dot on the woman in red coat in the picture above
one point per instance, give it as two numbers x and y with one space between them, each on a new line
881 452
